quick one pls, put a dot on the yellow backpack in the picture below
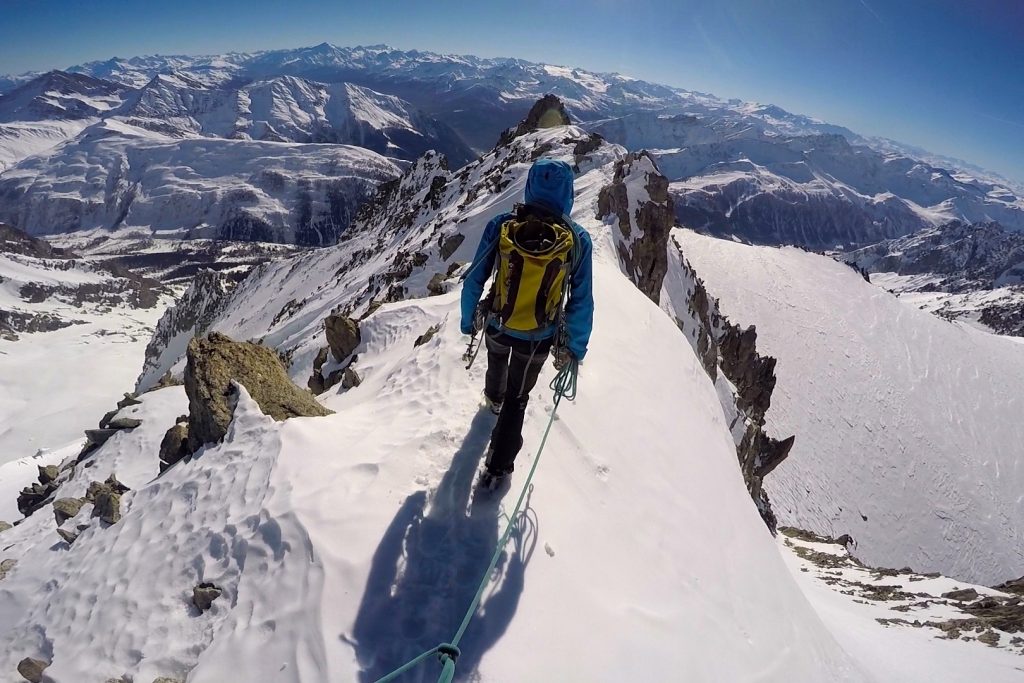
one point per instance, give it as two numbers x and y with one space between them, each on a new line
533 263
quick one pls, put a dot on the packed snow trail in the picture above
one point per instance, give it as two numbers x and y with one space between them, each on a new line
563 386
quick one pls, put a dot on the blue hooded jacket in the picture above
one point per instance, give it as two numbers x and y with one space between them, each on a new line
549 185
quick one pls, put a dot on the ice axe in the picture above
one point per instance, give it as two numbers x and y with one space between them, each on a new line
480 322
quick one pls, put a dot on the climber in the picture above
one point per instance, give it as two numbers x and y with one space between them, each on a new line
540 302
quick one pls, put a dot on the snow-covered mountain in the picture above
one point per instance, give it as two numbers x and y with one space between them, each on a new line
908 429
732 177
116 175
336 547
289 109
53 107
967 256
243 516
61 95
971 272
744 169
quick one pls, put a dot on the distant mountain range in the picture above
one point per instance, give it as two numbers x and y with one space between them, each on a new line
106 144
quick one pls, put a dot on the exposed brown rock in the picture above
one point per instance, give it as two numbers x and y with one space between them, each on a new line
343 335
350 378
427 336
204 594
107 506
166 380
450 244
48 474
128 400
67 535
316 382
214 362
36 495
98 437
585 147
6 566
962 595
174 445
1016 586
642 236
32 669
4 526
436 284
547 112
66 508
120 423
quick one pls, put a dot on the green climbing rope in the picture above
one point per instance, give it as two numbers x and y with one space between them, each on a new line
564 386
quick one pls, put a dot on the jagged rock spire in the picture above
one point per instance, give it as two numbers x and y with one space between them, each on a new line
547 112
642 235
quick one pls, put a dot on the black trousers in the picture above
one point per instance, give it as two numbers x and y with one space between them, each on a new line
513 366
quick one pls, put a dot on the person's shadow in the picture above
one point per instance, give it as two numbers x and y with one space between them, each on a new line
427 569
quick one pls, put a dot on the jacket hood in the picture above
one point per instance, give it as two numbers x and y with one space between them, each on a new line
550 184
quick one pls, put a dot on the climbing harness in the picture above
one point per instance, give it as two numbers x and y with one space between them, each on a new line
564 386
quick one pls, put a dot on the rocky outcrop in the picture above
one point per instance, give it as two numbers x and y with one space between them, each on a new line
204 594
1015 587
343 336
32 669
4 526
214 363
427 336
36 495
69 536
450 245
547 112
174 445
106 499
66 508
48 473
6 566
639 205
204 300
128 400
350 379
639 208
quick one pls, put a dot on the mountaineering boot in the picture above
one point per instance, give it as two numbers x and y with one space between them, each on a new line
492 405
492 481
490 478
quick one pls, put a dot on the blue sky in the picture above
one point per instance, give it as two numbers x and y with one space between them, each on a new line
947 75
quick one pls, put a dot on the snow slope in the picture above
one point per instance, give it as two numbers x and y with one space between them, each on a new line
892 623
908 429
54 384
21 140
